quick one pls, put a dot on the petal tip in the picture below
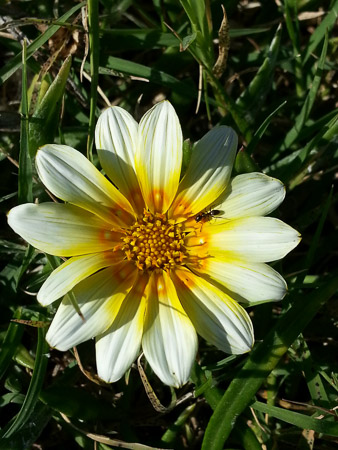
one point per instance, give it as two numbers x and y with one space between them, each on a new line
53 344
248 344
14 214
42 299
108 374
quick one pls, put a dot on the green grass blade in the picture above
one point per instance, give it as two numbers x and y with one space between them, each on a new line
213 395
170 437
34 387
309 101
318 35
44 122
29 433
15 63
26 261
256 92
140 39
93 24
245 435
155 76
300 420
329 380
321 141
312 126
10 343
292 25
261 130
315 240
290 168
302 355
197 13
262 360
77 403
25 193
239 32
225 102
150 38
25 179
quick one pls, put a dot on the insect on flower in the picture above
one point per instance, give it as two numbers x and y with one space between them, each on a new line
207 215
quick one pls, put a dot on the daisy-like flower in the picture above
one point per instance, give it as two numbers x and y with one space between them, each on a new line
148 265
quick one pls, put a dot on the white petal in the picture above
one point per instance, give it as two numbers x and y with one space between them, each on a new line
71 272
116 142
243 281
208 173
120 345
251 194
62 230
70 176
159 157
99 298
169 342
255 239
216 317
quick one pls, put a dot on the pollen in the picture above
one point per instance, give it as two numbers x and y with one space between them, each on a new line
154 243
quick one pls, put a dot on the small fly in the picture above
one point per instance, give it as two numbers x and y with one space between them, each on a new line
208 215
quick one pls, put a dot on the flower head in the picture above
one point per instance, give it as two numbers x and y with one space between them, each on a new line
151 259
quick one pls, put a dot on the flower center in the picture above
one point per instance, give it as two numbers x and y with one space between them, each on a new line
153 243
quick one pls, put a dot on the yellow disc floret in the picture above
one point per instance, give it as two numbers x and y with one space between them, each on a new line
153 243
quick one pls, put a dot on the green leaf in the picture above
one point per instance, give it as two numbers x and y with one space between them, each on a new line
300 420
45 119
187 152
244 162
23 357
187 40
15 63
262 360
11 397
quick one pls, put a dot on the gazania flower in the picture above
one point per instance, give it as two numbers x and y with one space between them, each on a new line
149 264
